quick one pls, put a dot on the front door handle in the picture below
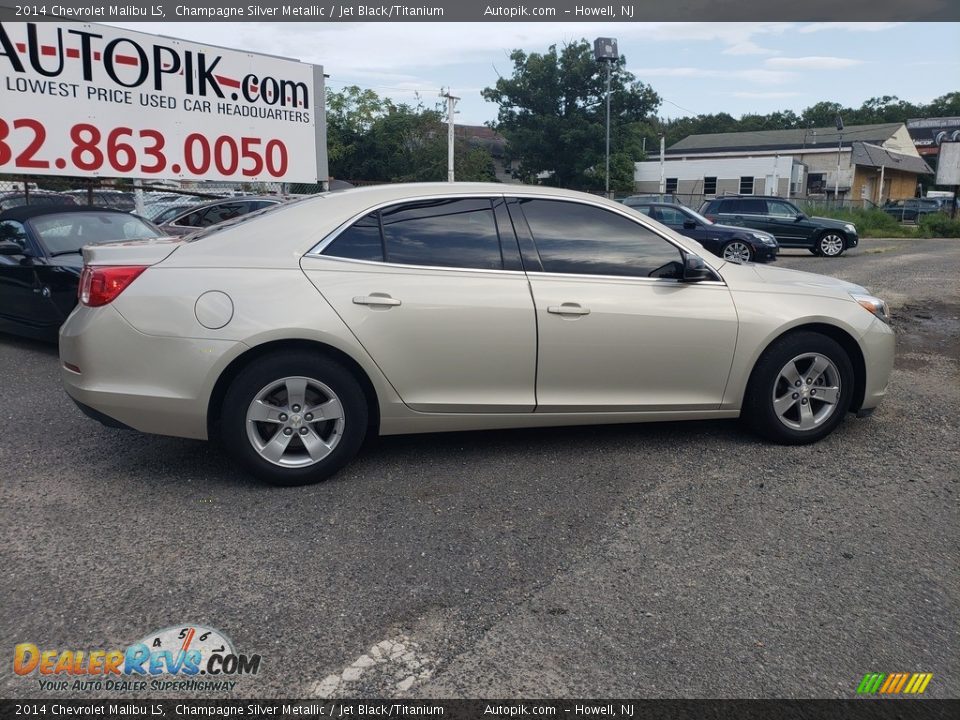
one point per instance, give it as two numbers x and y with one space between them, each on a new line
379 299
568 309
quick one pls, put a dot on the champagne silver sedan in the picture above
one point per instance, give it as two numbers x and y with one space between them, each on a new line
293 334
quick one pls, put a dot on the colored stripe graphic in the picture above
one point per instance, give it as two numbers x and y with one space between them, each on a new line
894 683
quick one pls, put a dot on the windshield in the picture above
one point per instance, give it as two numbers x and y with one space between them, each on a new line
696 216
67 232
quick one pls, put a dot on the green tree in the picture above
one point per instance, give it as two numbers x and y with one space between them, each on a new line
372 138
553 115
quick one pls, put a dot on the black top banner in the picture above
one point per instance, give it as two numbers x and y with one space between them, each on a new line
459 11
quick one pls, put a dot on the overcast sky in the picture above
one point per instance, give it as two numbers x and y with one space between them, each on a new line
695 67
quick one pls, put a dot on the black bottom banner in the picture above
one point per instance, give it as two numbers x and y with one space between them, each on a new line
893 709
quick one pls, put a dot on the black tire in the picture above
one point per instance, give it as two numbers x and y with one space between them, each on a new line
767 386
325 381
831 243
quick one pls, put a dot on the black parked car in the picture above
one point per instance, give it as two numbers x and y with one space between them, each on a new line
217 211
16 199
113 199
912 209
784 220
737 244
40 261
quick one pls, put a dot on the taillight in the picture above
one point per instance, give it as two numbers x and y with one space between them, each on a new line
101 284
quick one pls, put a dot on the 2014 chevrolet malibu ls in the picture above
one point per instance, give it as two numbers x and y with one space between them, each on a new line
294 333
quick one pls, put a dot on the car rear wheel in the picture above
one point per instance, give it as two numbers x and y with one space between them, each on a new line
800 389
293 419
831 244
737 251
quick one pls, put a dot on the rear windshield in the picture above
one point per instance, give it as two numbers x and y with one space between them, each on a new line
67 232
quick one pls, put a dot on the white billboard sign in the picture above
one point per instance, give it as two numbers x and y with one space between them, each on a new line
93 100
948 164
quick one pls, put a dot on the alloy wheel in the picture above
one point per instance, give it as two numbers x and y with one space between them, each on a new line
831 244
295 422
807 391
737 251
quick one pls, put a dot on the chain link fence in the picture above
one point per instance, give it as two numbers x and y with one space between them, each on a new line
17 190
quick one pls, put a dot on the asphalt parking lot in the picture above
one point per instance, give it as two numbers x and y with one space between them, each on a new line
667 560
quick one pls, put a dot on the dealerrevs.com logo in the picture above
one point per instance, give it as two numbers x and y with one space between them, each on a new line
186 657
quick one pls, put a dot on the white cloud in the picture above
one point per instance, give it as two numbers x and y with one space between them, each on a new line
848 26
748 47
764 95
754 75
813 62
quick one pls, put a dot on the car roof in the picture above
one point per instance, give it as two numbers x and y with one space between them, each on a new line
658 203
316 216
25 212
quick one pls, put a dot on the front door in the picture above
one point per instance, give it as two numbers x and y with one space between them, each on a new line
618 331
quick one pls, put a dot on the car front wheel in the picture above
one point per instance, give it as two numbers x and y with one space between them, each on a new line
737 251
800 389
831 244
293 419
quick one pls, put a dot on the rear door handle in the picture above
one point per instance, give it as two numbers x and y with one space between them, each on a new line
380 299
568 309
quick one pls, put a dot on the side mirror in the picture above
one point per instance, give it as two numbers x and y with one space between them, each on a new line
800 216
10 248
689 224
695 270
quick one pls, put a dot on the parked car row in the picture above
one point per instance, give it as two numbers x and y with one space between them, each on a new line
914 209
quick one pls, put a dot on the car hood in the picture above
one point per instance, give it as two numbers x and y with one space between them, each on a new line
764 278
831 223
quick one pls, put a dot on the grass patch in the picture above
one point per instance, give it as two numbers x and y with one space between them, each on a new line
870 223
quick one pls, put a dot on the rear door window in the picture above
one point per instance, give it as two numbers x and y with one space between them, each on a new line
454 233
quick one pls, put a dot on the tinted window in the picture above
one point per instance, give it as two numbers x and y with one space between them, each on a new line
575 238
13 231
744 207
671 216
360 241
222 212
447 233
782 209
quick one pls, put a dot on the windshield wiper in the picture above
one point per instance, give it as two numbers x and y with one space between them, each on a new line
66 252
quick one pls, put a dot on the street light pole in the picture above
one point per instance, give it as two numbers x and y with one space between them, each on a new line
605 50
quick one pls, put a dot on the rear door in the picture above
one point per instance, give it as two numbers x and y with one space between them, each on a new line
434 291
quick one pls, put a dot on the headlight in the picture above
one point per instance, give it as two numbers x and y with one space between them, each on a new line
765 239
874 304
850 228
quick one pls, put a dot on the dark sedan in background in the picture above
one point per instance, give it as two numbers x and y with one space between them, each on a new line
217 211
40 261
737 244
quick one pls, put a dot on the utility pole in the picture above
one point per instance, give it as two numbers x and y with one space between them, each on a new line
836 185
451 101
608 128
663 179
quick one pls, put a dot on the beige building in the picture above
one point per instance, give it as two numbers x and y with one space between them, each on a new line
862 163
